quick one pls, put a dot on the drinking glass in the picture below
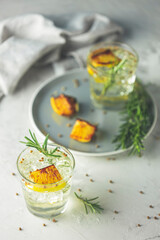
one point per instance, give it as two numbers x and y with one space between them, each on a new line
112 70
46 200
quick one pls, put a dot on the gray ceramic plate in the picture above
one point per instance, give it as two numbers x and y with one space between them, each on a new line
43 116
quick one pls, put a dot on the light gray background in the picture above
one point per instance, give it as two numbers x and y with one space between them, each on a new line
140 17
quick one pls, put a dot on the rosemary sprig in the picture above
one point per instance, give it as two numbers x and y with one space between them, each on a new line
136 121
89 205
112 72
33 142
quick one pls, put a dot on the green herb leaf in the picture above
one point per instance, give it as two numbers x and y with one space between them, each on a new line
111 73
33 142
136 119
89 205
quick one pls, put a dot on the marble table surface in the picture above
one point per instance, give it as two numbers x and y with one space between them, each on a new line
130 175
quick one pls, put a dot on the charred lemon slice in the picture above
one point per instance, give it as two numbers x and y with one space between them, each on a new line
103 57
64 105
46 188
46 179
82 131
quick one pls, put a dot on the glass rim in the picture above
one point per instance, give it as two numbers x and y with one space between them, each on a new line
112 43
47 184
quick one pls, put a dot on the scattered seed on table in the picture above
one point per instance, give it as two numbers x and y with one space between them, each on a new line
108 158
97 146
156 218
141 192
44 225
59 135
91 180
31 151
151 206
148 217
139 225
76 83
113 158
68 124
158 214
47 125
54 220
17 194
110 191
116 212
20 229
79 190
87 175
13 174
110 181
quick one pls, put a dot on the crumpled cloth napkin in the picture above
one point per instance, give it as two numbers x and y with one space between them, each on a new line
32 38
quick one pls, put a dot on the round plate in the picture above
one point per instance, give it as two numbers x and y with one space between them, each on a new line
45 120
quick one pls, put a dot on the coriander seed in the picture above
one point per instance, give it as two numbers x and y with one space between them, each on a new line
141 192
76 83
151 206
110 181
116 212
59 135
68 124
110 191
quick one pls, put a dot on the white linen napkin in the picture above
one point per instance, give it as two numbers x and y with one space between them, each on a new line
28 38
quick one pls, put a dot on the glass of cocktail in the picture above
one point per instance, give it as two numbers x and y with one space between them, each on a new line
46 180
112 70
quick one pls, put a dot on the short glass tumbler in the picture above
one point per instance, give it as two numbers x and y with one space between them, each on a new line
46 200
112 70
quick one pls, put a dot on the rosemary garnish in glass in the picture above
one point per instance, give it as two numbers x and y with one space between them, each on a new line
89 205
112 73
33 142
